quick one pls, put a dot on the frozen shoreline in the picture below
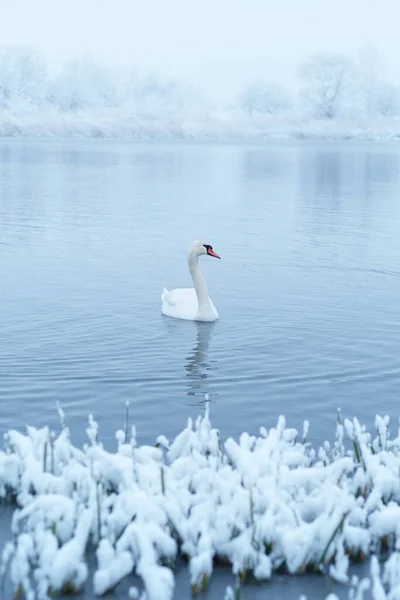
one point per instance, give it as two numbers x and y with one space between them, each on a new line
234 127
262 504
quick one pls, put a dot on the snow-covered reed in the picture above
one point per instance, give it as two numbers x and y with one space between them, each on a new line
264 503
229 125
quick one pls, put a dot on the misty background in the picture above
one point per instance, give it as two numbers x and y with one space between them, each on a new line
184 68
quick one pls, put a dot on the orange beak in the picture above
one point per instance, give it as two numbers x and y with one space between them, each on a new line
212 253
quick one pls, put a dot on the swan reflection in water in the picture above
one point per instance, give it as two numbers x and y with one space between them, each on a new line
198 365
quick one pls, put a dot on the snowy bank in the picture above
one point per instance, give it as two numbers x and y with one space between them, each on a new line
262 504
216 126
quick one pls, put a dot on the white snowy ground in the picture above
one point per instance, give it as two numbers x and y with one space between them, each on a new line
260 504
224 125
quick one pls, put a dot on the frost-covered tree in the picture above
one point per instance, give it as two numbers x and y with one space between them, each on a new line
387 100
326 81
265 99
23 77
84 84
368 71
153 97
377 97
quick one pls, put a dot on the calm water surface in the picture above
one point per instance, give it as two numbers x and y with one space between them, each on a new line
307 289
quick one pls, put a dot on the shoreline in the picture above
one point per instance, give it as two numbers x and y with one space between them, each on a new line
211 129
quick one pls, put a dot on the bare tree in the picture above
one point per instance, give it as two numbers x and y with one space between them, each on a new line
326 79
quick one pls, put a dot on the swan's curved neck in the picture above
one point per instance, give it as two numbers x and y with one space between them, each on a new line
198 280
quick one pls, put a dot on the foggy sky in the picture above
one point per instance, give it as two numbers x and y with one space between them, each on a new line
219 44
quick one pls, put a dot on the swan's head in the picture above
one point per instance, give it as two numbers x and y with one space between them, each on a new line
198 248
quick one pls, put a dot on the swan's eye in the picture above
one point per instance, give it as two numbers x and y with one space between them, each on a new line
207 247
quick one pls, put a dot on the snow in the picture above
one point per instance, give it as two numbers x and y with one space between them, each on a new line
229 125
111 571
263 503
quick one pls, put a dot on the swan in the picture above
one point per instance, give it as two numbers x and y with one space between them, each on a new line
192 304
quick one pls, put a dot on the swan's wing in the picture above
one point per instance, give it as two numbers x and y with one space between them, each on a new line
169 297
164 294
183 298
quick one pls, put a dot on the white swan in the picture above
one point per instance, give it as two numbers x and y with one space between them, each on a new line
192 304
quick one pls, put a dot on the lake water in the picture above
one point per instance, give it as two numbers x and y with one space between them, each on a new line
307 289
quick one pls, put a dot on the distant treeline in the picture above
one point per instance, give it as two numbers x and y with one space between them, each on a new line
331 86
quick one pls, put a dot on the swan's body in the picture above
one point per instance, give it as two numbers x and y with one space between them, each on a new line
182 303
192 304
